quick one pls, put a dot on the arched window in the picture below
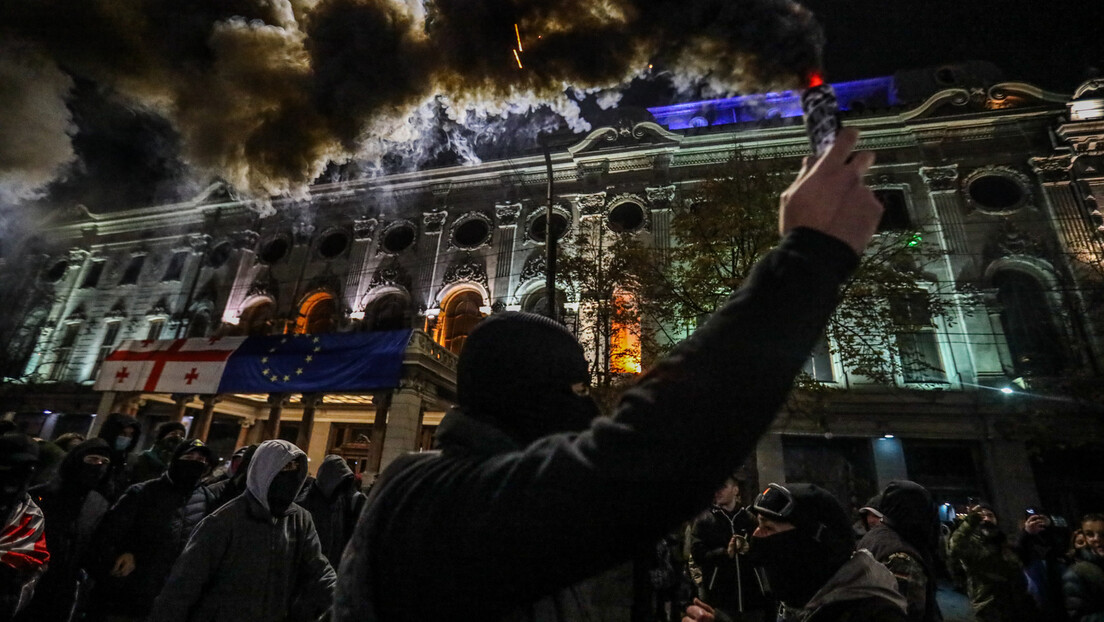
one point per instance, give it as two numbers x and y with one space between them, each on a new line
316 315
459 316
257 319
537 302
388 313
1029 327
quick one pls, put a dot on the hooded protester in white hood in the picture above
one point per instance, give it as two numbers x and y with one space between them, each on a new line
257 558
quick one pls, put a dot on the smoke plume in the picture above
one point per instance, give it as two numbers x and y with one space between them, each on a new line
266 93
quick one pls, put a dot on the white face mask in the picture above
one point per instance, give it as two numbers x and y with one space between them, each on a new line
121 443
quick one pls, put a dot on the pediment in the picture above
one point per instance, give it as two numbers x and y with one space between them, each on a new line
641 134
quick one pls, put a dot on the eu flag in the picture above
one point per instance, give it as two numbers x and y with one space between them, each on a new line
330 362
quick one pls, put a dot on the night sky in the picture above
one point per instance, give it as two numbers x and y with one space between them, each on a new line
1050 43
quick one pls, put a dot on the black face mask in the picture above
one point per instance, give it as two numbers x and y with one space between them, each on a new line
13 486
169 443
87 476
282 491
185 474
795 566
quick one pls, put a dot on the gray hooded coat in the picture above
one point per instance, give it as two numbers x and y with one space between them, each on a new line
245 564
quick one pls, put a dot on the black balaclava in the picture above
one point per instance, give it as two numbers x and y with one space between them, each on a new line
285 488
910 511
18 460
798 562
185 474
516 371
79 477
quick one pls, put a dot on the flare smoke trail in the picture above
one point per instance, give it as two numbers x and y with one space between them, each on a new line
264 93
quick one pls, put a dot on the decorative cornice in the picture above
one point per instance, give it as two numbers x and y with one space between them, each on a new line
160 308
940 178
467 269
661 196
1096 84
641 132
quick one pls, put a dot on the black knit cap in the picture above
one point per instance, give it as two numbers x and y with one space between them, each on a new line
820 516
509 355
168 427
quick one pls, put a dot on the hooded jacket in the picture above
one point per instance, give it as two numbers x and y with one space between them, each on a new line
995 580
728 583
490 529
862 590
1083 587
118 477
73 510
905 542
334 504
152 521
243 564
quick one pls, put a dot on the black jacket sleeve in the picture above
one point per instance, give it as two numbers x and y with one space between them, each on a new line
571 505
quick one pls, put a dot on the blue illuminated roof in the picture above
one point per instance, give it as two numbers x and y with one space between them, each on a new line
857 95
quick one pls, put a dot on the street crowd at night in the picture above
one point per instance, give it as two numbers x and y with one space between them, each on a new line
534 507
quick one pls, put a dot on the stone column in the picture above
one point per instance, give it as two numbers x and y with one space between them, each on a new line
942 182
201 425
319 443
310 403
404 419
768 457
889 460
243 433
181 401
276 402
379 432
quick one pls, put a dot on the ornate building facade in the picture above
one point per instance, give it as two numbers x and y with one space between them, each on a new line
1003 176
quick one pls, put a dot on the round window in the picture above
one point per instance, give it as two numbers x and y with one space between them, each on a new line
398 238
333 244
996 193
274 250
54 273
471 233
219 255
626 217
537 227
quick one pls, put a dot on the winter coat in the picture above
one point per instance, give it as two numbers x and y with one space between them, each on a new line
490 530
150 464
118 477
1044 562
862 590
243 564
73 513
334 504
728 583
1083 588
994 576
907 566
153 521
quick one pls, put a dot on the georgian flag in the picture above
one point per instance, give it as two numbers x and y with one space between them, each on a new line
173 366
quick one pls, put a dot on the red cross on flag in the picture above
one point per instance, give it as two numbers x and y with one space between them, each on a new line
174 366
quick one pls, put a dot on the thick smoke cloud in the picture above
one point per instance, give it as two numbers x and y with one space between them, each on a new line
266 93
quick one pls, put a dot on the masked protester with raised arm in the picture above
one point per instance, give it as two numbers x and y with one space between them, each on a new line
257 558
527 500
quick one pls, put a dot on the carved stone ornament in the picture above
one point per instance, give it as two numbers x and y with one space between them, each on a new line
117 312
535 267
364 229
303 230
160 308
940 178
466 269
661 196
77 255
498 306
507 214
245 239
1012 241
434 221
78 315
1052 169
263 286
591 204
198 242
389 274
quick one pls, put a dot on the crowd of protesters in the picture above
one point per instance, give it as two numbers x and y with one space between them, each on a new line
534 508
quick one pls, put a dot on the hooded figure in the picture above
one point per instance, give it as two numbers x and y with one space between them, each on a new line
257 558
121 433
805 548
73 510
334 503
234 484
146 530
152 462
906 542
23 554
